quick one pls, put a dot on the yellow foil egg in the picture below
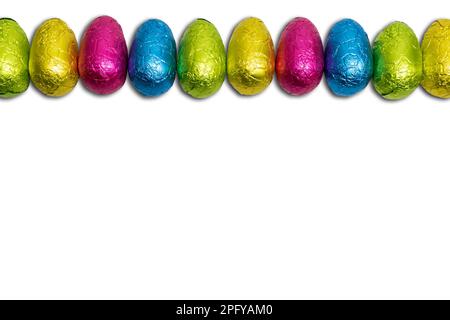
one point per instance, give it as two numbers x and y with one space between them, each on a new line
53 58
251 57
436 59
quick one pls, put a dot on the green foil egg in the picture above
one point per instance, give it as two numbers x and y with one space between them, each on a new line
436 59
14 53
201 60
397 61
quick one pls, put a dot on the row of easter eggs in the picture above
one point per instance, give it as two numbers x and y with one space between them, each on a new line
396 63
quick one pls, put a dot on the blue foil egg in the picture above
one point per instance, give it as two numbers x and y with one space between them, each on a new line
348 58
153 58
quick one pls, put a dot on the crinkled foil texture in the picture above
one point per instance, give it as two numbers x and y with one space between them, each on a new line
53 58
397 61
103 56
251 57
300 59
14 53
436 59
348 58
201 59
152 64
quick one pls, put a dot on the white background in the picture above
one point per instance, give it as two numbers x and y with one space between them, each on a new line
231 197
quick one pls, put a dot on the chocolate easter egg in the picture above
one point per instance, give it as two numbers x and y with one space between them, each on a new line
348 58
300 59
436 59
153 58
103 56
397 61
53 58
251 57
201 59
14 53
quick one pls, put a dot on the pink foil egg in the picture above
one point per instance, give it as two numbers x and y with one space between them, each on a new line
103 57
300 57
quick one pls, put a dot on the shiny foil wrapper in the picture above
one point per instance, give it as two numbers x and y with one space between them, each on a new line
53 58
103 56
300 59
348 58
201 59
436 59
251 57
14 53
152 65
397 61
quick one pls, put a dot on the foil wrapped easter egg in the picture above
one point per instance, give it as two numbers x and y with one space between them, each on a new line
300 59
201 59
436 59
103 56
53 58
251 57
348 58
397 59
14 53
153 58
